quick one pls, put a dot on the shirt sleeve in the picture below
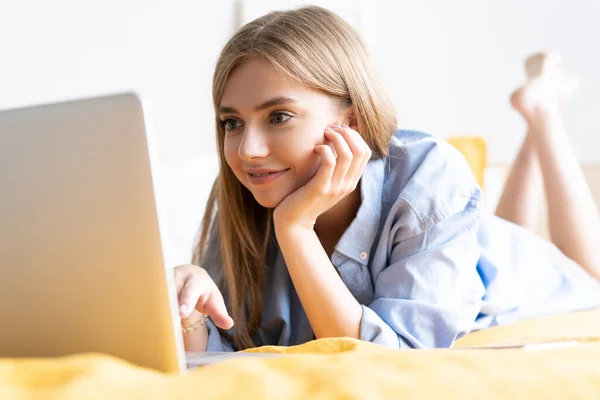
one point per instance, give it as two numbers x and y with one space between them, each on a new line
430 293
216 341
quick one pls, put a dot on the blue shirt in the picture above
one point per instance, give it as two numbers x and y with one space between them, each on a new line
423 261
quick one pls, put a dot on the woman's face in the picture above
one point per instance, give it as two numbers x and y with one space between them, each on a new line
272 124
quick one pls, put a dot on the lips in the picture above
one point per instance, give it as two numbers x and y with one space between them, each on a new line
264 176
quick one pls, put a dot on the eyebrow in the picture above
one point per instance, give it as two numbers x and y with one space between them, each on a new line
276 101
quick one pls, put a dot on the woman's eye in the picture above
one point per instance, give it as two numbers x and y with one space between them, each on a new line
230 124
279 117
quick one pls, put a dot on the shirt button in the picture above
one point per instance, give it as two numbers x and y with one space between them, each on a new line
363 255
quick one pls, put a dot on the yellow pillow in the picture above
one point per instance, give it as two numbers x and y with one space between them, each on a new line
474 150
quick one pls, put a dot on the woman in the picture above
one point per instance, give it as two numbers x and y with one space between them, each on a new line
325 221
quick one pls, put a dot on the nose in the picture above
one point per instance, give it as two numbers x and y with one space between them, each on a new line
253 144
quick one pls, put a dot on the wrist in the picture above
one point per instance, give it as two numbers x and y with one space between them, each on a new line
195 338
193 322
292 227
283 219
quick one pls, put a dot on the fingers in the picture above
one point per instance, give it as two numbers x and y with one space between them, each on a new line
189 295
180 277
344 156
214 306
322 179
353 155
197 290
360 151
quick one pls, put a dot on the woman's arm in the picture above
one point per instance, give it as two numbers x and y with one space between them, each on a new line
329 305
428 295
430 292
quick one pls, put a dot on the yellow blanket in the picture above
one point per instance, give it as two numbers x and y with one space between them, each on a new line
344 368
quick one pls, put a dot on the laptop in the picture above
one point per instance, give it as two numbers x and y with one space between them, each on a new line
81 265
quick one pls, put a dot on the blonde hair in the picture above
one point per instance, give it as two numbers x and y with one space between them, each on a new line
320 50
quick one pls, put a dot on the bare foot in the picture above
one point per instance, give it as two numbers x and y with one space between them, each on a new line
542 63
547 89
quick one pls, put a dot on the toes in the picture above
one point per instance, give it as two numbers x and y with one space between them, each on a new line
548 87
542 63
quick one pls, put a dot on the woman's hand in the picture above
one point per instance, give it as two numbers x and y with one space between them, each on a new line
196 290
336 178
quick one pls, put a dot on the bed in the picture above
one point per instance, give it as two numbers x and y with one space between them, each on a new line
345 368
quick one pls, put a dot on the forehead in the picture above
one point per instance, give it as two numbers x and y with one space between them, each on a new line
255 81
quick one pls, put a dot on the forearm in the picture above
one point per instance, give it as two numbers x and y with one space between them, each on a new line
329 305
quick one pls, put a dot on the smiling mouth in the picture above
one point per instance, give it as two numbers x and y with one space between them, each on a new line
265 174
265 177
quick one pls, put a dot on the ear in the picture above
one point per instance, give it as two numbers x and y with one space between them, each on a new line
350 118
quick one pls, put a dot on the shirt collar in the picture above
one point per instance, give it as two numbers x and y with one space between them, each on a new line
357 240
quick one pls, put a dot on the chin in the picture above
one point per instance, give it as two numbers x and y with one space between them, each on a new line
268 201
269 198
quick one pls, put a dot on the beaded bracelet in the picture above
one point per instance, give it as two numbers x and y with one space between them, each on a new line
194 327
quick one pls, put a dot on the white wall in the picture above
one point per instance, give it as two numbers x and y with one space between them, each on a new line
452 65
164 50
449 66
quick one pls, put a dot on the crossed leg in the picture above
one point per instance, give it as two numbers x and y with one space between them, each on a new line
546 164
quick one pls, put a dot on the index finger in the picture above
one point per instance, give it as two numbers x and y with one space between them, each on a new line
212 303
354 140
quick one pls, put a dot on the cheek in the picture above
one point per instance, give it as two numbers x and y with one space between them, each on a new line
301 151
308 135
299 140
230 148
307 171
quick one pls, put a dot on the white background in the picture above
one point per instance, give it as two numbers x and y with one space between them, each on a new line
449 66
